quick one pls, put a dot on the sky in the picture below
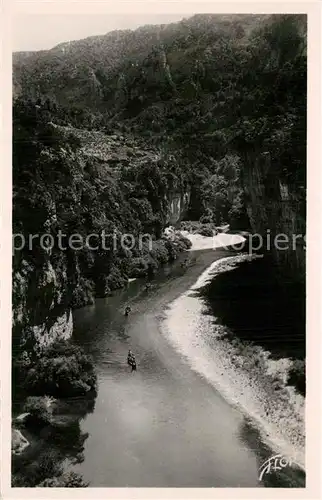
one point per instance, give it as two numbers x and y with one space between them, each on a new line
44 31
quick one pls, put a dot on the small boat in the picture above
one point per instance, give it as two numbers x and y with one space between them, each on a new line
131 361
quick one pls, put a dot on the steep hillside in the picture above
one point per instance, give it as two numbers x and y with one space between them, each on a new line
130 131
72 182
89 72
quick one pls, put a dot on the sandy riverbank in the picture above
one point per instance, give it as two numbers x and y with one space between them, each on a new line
221 240
244 374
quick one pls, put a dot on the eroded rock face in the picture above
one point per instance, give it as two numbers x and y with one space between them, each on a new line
178 204
40 310
274 208
61 329
18 442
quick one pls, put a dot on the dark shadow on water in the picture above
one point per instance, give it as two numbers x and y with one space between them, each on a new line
257 306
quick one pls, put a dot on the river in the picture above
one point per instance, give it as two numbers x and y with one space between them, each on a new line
164 425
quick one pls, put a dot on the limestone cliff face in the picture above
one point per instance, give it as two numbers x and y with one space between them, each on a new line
43 290
178 204
91 193
41 309
276 207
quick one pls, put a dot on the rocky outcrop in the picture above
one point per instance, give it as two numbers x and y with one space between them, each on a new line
41 313
61 329
276 209
18 442
178 204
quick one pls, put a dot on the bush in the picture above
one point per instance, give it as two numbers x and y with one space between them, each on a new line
206 231
163 250
48 464
203 228
297 376
62 370
138 267
67 480
160 252
40 409
184 242
208 217
190 226
115 279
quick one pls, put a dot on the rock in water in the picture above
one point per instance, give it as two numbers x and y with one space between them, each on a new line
18 442
21 418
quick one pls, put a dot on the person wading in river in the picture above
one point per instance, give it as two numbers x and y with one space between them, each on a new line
131 360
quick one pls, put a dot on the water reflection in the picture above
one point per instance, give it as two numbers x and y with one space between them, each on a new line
258 306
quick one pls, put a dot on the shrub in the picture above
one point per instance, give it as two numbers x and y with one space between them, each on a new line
83 294
62 370
208 217
159 252
184 242
40 409
206 231
203 228
67 480
48 464
138 267
297 376
190 225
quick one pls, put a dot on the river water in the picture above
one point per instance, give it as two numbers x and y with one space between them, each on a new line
164 425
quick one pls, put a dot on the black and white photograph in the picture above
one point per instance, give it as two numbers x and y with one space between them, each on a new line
159 214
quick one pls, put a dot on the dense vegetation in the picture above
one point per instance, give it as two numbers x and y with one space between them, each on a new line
59 187
58 423
225 91
108 130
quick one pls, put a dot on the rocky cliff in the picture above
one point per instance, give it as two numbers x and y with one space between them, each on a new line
178 206
83 183
41 309
134 130
277 212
